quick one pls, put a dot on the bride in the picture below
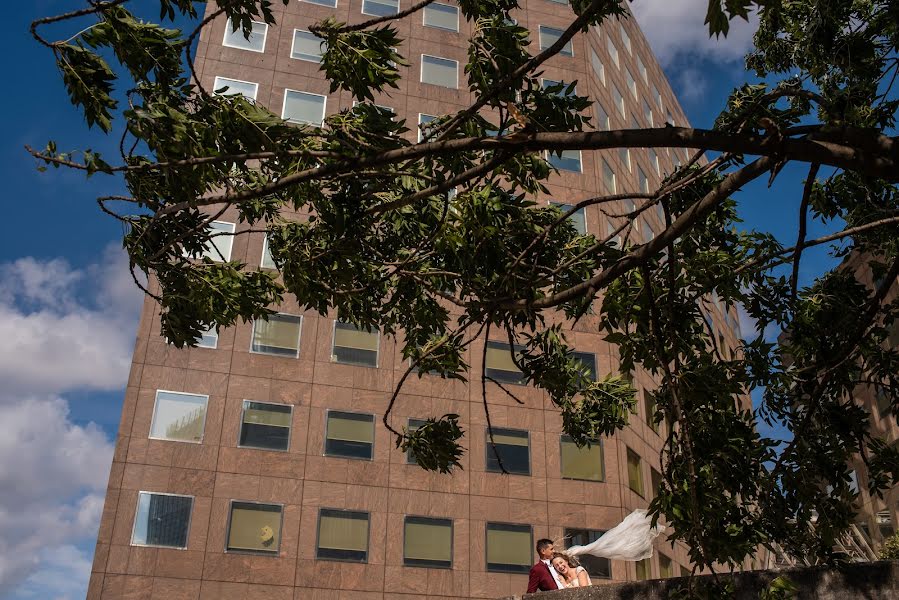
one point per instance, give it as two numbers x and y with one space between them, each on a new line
570 570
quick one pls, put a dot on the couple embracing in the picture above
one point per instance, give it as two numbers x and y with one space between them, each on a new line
629 540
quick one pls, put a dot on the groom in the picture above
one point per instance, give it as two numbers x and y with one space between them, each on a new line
542 576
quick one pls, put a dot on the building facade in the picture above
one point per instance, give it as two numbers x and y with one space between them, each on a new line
256 465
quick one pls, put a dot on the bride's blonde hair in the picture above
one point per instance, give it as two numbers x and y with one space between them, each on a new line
573 562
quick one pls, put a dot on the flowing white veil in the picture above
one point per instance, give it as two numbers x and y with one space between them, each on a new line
629 540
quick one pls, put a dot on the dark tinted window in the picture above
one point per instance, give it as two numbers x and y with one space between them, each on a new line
514 450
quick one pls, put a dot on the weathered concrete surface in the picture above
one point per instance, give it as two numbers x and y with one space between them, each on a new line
863 581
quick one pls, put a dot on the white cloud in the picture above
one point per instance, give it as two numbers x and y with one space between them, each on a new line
63 328
63 575
676 29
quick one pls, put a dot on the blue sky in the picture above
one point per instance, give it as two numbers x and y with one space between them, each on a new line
68 311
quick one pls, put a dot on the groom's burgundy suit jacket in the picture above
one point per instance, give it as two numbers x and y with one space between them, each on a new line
540 579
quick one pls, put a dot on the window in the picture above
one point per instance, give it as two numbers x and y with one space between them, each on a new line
647 114
588 364
500 365
230 87
578 218
566 160
596 567
307 46
267 261
256 41
423 120
509 548
439 71
161 520
666 567
656 479
631 83
331 3
634 472
265 426
218 246
634 123
413 425
303 107
625 38
602 118
598 67
649 405
254 527
350 435
654 161
644 181
584 463
567 88
354 346
641 68
342 535
613 51
428 542
608 177
619 100
380 8
280 335
441 16
624 155
208 339
643 569
549 36
179 417
513 447
658 96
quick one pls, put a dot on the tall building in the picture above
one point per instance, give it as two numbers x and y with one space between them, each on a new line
256 465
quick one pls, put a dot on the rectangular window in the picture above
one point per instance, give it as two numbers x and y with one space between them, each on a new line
551 35
265 426
641 68
500 365
179 417
666 567
654 162
643 180
441 16
303 107
161 520
331 3
584 463
578 218
658 97
566 160
354 346
598 67
596 567
208 339
307 46
613 51
349 435
342 535
413 425
280 335
602 118
228 87
513 446
509 548
634 472
649 404
256 41
608 177
380 8
624 155
428 542
619 100
643 569
439 71
631 83
218 246
669 118
267 260
566 90
254 528
625 38
588 364
423 119
656 479
647 114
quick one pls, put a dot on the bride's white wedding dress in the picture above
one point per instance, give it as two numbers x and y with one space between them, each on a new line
629 540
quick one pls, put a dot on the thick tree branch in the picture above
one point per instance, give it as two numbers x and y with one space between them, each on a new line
803 219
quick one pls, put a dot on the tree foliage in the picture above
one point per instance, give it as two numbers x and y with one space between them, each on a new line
388 246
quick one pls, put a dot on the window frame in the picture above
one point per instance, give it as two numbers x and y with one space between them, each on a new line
424 19
318 531
325 437
596 60
424 563
190 518
293 43
202 428
284 107
554 156
265 250
565 207
229 30
251 552
570 531
334 341
567 50
523 569
299 338
488 450
398 8
642 491
506 348
216 86
321 3
421 74
215 333
410 459
602 460
243 411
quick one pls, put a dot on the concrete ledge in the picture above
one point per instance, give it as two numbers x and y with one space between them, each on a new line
863 581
